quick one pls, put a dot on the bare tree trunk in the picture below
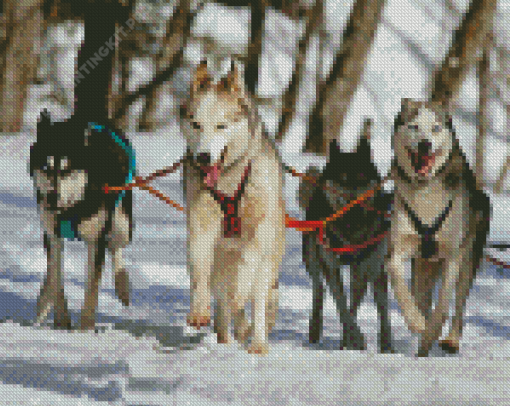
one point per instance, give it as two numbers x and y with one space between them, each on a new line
483 77
314 20
258 18
172 59
18 58
336 92
177 30
498 187
465 50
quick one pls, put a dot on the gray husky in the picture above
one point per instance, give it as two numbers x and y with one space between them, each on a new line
70 163
346 176
440 221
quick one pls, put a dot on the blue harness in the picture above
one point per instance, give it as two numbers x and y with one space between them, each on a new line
68 226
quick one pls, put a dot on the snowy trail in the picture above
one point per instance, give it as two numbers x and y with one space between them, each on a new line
145 355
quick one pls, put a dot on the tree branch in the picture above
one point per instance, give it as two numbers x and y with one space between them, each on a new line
336 92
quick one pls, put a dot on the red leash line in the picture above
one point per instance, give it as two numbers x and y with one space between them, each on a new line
496 262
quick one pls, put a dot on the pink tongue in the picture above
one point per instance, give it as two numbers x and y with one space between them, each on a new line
212 175
428 161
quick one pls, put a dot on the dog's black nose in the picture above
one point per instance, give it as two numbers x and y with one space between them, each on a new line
424 147
204 158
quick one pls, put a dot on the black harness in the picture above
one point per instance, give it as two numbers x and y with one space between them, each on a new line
428 245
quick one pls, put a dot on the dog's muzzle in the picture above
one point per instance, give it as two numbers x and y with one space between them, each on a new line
422 158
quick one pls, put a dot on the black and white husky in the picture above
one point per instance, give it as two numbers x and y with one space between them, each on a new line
70 163
346 176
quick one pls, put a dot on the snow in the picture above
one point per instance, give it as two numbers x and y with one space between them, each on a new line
145 354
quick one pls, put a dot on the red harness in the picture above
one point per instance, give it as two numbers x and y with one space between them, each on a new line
230 204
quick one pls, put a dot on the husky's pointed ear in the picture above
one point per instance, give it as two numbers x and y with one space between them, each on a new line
442 110
232 83
43 124
201 79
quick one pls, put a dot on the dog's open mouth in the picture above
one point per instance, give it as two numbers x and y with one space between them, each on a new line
212 172
422 161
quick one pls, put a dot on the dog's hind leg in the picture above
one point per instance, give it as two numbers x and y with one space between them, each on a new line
52 291
242 329
379 279
120 237
314 270
121 277
352 336
96 258
272 307
222 321
359 283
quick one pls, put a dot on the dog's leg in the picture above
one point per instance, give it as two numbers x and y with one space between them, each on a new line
204 222
52 291
412 315
314 270
259 344
382 302
119 238
423 280
452 343
45 299
242 330
352 336
272 307
201 259
222 321
121 277
359 283
96 258
379 279
435 322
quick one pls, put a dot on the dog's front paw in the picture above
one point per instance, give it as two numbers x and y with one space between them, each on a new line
242 334
353 340
258 348
450 346
197 320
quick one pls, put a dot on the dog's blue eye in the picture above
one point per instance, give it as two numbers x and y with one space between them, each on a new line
413 127
221 127
437 128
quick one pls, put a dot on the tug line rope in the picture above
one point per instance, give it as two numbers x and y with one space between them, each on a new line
290 222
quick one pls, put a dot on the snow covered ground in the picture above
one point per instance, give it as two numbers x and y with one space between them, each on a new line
145 355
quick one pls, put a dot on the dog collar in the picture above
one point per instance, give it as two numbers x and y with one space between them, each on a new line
230 204
428 245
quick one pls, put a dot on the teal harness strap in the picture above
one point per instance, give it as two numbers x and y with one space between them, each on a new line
126 147
68 226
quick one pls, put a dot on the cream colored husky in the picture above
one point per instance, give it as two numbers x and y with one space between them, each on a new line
440 221
235 210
